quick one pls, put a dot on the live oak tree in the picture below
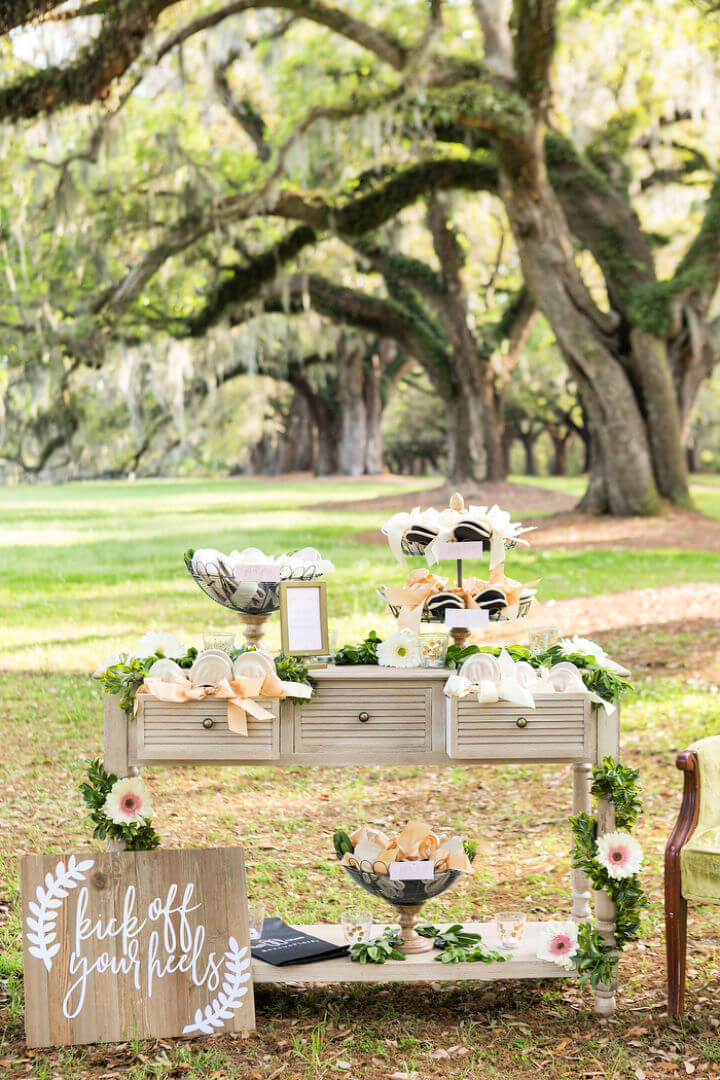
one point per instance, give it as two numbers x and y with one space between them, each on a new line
637 341
425 314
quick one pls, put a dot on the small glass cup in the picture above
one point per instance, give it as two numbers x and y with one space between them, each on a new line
542 637
219 639
357 925
256 917
433 649
510 928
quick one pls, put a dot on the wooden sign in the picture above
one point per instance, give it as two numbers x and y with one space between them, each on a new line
303 618
135 945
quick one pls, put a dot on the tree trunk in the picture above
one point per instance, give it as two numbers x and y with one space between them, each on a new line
650 373
325 423
326 461
692 356
561 443
528 439
373 415
586 335
296 449
508 438
353 423
497 468
305 457
467 459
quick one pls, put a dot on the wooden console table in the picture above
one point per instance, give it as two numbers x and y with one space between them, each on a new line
386 716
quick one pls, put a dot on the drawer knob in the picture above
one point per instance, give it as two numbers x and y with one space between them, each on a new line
363 717
522 721
208 722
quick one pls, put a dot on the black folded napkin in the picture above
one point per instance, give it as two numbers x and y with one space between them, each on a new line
281 944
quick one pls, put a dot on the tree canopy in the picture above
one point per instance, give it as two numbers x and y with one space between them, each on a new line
180 169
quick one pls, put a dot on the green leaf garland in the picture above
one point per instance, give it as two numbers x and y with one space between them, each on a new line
595 960
127 676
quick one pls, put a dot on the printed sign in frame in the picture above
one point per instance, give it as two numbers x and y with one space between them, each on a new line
303 618
139 944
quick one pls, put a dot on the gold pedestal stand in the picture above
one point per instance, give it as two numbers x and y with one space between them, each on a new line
254 628
412 942
460 634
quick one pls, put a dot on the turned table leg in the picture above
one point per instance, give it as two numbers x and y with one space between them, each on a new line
115 738
581 802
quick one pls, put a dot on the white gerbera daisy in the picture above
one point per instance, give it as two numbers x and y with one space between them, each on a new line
587 647
558 943
620 854
115 658
128 802
158 641
401 650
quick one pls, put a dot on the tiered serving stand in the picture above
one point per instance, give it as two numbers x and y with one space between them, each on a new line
459 635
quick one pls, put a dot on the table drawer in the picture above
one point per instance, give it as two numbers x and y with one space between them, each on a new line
360 723
169 732
555 730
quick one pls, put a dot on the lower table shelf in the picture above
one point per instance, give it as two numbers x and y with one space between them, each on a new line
419 967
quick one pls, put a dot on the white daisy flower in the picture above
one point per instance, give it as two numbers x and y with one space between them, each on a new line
116 658
158 641
586 647
401 650
128 802
620 854
558 943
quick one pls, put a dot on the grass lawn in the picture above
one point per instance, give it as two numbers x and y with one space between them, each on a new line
85 569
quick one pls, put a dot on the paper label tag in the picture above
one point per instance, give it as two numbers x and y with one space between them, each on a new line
460 549
469 618
420 870
258 572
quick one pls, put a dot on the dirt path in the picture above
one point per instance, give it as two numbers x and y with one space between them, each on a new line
639 608
685 529
517 498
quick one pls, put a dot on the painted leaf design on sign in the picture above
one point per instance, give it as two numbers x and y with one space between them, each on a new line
42 920
228 1001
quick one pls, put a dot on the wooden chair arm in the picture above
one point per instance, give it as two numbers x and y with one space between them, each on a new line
687 818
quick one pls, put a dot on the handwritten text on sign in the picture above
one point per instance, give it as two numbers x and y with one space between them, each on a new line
135 944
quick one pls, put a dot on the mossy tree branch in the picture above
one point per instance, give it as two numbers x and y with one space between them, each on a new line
699 268
394 264
86 78
533 47
21 12
602 220
353 217
352 307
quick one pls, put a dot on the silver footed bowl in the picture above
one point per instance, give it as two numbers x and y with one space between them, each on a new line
407 898
245 597
403 893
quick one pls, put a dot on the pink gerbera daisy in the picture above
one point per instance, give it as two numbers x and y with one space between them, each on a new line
558 943
620 854
128 802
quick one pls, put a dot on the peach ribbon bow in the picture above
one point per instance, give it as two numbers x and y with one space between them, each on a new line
239 695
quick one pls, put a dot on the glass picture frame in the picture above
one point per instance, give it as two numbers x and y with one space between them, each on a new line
303 618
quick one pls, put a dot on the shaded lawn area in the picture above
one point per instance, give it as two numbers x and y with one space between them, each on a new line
105 564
